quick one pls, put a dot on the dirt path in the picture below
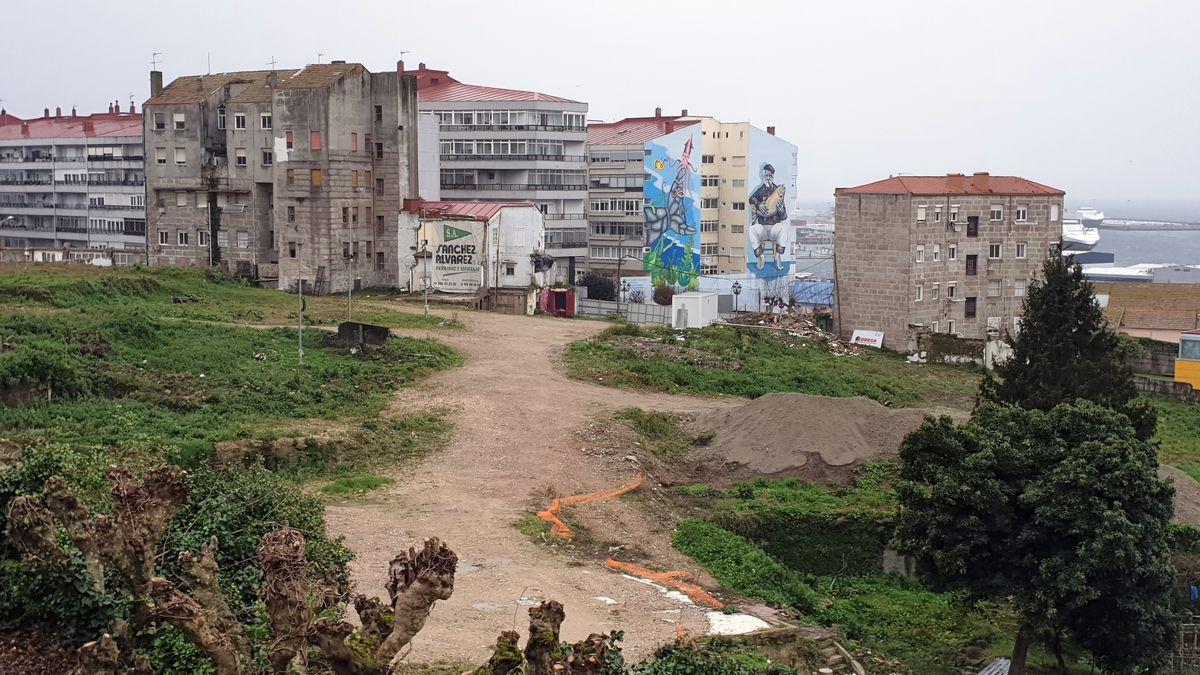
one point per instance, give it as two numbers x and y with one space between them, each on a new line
516 414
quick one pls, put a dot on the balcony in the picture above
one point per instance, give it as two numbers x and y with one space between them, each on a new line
512 127
501 158
482 187
27 181
21 160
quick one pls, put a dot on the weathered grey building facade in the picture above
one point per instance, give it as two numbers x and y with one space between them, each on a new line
285 174
949 254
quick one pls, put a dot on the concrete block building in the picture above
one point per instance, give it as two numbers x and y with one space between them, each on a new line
498 144
70 181
286 176
944 254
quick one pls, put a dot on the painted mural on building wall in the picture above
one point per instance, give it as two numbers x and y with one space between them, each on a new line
456 255
672 209
772 191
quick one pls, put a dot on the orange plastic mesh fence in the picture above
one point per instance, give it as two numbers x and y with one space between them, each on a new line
559 528
679 580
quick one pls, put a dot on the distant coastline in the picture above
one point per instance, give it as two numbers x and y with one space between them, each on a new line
1150 225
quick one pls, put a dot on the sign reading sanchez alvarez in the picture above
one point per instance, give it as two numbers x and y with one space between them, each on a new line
457 256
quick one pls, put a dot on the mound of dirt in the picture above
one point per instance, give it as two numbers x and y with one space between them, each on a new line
1187 495
818 438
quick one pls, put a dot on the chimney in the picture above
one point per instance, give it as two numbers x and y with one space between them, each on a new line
954 181
73 113
155 83
58 111
46 113
109 108
400 66
771 130
420 66
683 113
982 180
272 80
658 112
132 109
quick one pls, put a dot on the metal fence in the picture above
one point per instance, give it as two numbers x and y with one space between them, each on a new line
634 312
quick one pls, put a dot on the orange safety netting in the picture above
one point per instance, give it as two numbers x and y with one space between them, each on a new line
559 528
679 580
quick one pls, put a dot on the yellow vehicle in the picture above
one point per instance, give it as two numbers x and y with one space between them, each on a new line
1187 365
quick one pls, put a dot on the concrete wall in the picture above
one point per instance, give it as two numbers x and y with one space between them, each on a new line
1157 358
1180 391
429 161
643 315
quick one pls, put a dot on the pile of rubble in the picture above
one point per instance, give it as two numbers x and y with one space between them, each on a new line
655 348
798 330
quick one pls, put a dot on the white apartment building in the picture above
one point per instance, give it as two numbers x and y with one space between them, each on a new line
71 181
512 145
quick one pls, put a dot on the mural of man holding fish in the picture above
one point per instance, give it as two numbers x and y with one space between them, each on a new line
768 231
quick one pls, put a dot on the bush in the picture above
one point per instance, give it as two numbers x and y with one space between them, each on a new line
710 657
637 296
742 566
598 287
663 294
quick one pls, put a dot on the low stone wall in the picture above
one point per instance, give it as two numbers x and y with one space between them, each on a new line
945 348
1181 391
634 312
1157 358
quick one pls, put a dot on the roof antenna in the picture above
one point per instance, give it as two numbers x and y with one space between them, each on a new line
209 63
154 60
319 55
271 63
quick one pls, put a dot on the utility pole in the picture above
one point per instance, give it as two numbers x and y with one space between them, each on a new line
300 313
349 284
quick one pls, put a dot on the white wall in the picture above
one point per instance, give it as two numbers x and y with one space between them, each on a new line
429 162
513 235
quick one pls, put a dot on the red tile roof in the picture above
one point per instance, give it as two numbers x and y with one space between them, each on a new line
952 184
634 130
483 211
5 118
89 126
457 91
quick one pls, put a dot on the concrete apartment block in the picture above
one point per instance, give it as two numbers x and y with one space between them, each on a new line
283 175
951 254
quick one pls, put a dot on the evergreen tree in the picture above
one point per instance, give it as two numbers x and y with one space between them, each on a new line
1065 352
1062 511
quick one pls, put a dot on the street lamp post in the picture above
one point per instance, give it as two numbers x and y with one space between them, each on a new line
737 290
624 291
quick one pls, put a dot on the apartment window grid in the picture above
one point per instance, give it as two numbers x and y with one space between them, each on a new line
738 206
709 226
994 251
952 252
935 292
993 289
996 213
921 213
709 203
1019 288
1021 250
920 253
239 120
1022 214
264 120
937 252
920 293
737 228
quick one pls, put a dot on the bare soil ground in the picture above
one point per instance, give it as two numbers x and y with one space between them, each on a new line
517 417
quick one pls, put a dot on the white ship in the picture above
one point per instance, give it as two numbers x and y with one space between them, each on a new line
1077 236
1091 217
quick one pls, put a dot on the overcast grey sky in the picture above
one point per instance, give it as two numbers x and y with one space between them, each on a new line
1098 97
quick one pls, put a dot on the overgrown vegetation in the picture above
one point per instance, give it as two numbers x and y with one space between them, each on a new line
662 432
355 485
750 362
1179 435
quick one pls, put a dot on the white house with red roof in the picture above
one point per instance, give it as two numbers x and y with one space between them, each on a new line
509 145
73 181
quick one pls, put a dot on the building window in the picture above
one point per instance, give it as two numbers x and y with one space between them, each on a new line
289 141
180 156
706 159
160 121
937 252
921 214
290 177
993 290
738 160
950 327
997 212
378 113
993 251
268 158
160 155
738 206
952 252
222 238
935 292
972 226
1019 288
1022 214
708 202
183 238
972 265
316 178
510 269
1053 212
164 237
291 214
264 120
221 117
709 226
969 306
712 248
239 120
920 294
181 198
737 228
354 215
180 122
345 215
353 142
937 218
1021 250
954 213
243 239
920 254
739 182
378 186
291 249
379 151
710 181
951 290
314 140
933 327
202 237
354 178
240 156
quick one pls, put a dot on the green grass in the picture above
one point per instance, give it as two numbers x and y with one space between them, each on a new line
662 433
1179 435
55 288
533 527
355 485
752 363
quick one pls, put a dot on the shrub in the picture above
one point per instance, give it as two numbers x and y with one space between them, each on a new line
598 287
742 566
663 294
711 657
637 296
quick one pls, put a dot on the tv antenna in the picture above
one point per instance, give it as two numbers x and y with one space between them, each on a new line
319 55
272 63
154 60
